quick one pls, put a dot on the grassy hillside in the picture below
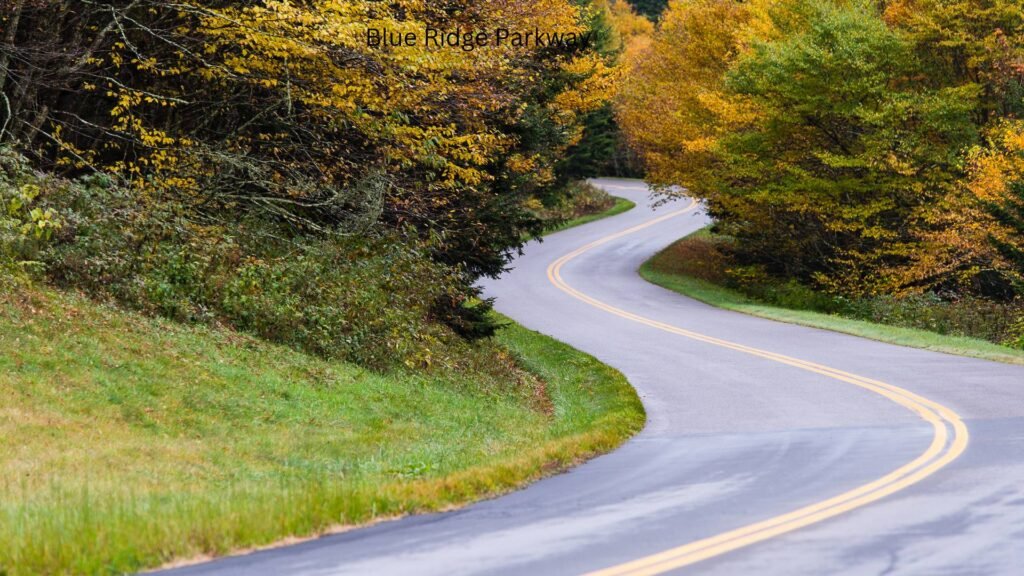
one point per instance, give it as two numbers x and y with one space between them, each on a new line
131 441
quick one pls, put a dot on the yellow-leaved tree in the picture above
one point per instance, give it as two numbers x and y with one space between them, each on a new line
216 111
673 107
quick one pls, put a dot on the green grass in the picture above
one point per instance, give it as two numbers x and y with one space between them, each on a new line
621 205
129 441
663 270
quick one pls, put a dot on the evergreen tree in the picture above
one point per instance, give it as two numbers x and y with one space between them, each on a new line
1010 213
650 8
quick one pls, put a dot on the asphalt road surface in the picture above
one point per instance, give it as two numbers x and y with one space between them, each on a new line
770 448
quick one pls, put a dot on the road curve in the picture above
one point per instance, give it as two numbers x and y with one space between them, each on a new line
769 448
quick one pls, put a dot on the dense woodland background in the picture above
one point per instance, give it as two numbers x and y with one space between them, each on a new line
256 164
854 154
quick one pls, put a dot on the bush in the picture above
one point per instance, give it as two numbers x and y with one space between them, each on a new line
25 226
1016 338
709 257
965 316
580 199
372 298
367 300
697 257
756 283
364 300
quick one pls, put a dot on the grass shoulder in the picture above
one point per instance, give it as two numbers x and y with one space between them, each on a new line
131 441
684 268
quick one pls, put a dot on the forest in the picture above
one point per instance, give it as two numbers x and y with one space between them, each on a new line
252 163
852 154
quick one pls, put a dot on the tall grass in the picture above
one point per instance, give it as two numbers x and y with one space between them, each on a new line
131 441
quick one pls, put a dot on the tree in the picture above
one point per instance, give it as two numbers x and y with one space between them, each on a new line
652 9
809 129
979 42
672 106
826 185
1010 213
601 149
283 110
986 244
974 45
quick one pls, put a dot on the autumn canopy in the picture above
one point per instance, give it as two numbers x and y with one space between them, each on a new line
858 147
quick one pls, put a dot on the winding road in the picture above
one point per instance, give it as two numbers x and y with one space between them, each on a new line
769 449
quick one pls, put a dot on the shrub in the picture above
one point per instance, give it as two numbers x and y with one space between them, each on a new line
1016 337
25 226
709 257
372 298
579 199
696 257
965 316
367 300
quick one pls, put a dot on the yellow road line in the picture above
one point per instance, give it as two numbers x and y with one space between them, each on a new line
949 438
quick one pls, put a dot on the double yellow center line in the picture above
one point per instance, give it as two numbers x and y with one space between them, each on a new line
949 438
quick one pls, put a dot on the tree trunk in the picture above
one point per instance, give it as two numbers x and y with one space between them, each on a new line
10 35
